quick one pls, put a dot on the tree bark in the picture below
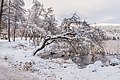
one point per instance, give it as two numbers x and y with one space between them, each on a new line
1 11
14 35
14 31
9 23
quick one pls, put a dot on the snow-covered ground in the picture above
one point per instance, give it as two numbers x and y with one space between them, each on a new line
19 55
9 73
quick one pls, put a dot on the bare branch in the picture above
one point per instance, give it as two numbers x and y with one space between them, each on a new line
48 39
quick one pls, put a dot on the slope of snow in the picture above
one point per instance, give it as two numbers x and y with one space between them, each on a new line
19 55
9 73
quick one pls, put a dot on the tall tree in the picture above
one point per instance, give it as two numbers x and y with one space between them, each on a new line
1 11
19 12
42 17
12 14
9 22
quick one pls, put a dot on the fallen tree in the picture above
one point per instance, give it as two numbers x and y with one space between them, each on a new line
77 39
50 40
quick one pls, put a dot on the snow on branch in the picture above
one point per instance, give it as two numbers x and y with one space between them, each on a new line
51 39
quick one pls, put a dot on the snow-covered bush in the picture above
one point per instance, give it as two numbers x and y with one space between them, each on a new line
94 67
98 63
114 61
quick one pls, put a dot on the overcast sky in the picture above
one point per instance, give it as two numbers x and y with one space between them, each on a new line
94 11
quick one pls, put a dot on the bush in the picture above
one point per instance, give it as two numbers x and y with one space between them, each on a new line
114 62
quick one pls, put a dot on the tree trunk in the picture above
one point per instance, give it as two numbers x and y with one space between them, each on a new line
45 43
22 34
1 11
9 23
26 34
14 32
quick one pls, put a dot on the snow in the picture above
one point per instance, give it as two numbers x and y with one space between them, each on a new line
19 55
114 61
9 73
